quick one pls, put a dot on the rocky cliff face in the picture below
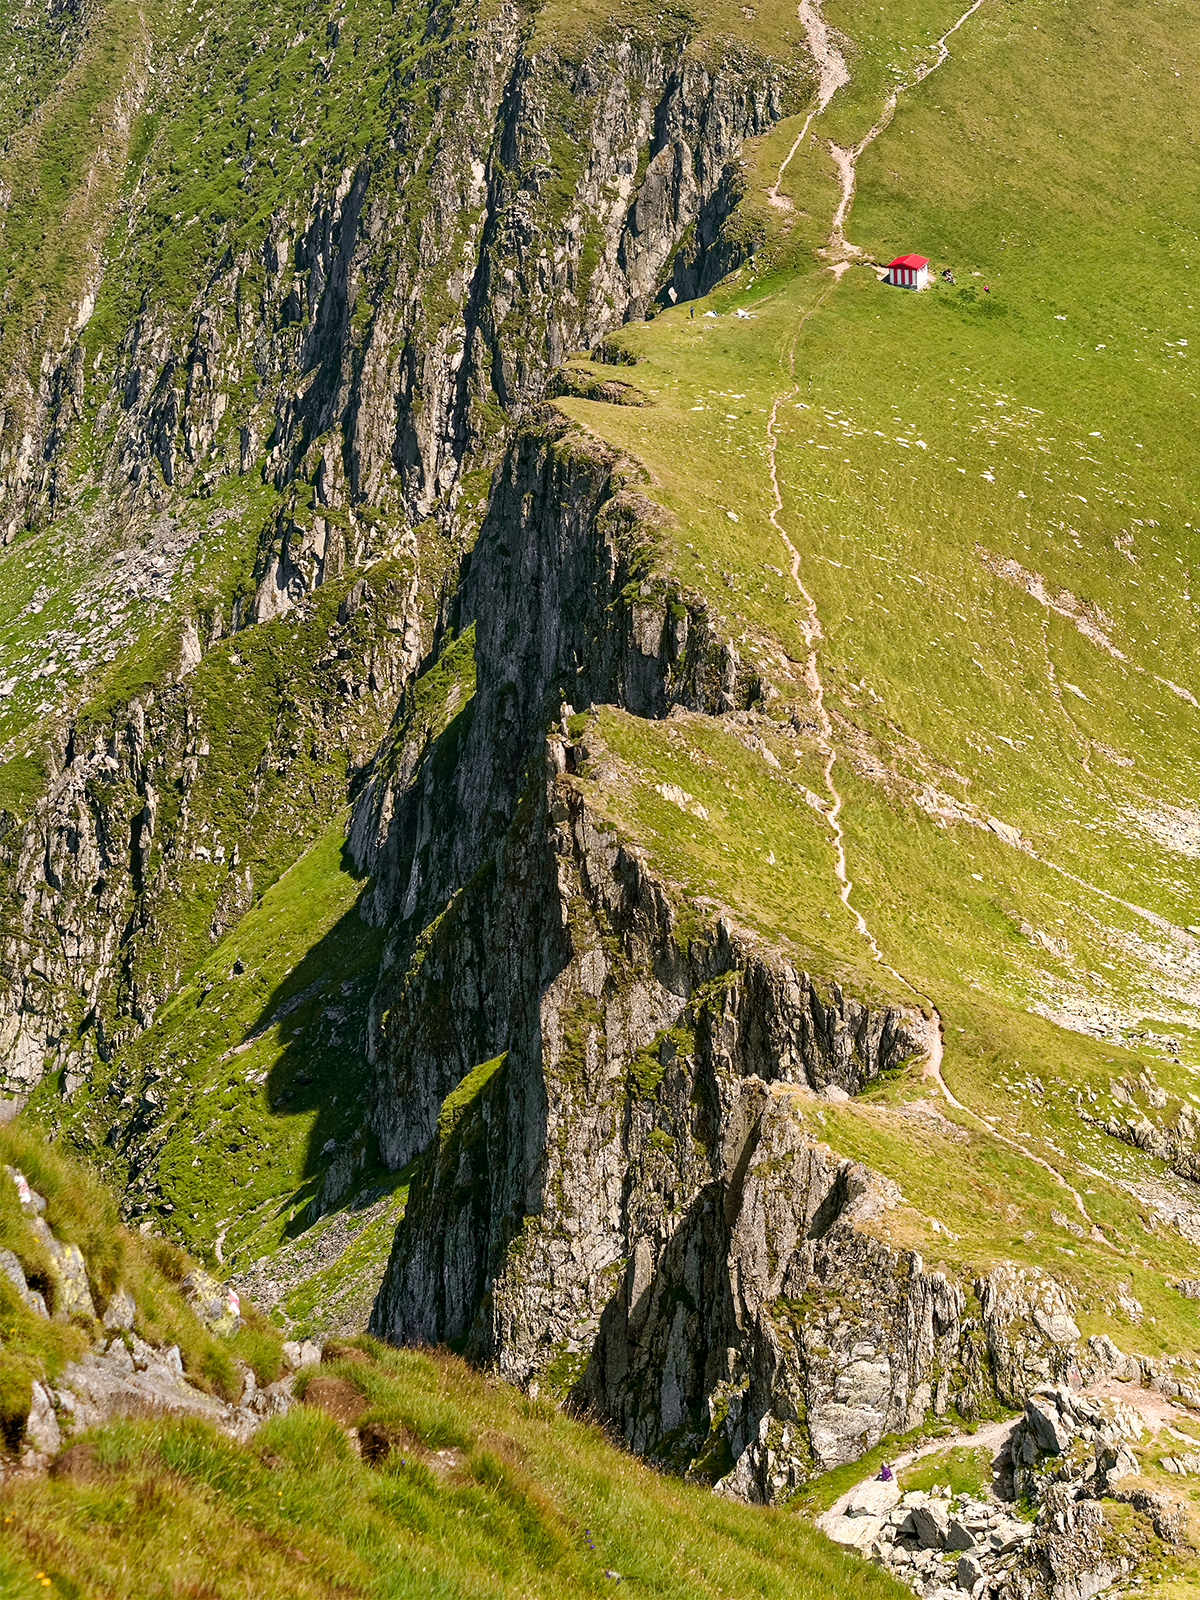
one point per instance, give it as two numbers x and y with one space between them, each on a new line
353 333
613 1193
567 607
615 1198
361 341
613 1163
599 1082
169 815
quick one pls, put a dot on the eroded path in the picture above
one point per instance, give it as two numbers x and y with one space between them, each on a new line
846 160
833 75
833 72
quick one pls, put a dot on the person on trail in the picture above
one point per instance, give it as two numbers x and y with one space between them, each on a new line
986 290
885 1473
692 313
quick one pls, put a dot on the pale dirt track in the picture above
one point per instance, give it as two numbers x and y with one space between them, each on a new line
833 75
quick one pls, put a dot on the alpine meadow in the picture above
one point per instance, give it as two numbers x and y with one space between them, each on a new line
599 799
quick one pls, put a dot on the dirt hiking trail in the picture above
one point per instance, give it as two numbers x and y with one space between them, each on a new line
834 74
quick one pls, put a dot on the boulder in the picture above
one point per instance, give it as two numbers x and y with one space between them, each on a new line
301 1353
1050 1432
41 1426
1010 1535
931 1525
859 1533
959 1536
15 1273
1056 1326
68 1269
120 1312
217 1305
969 1572
873 1499
101 1388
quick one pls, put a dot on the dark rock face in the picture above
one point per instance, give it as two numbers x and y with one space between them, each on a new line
362 342
565 606
99 868
369 343
625 1175
614 1198
613 1191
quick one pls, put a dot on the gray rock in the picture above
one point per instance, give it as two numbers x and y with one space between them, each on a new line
1079 1556
931 1524
41 1426
873 1499
32 1203
120 1312
1057 1326
857 1532
959 1536
119 1357
68 1269
144 1355
1008 1536
150 1383
1051 1433
969 1571
1125 1466
214 1303
15 1273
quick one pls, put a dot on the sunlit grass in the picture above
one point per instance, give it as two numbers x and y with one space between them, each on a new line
527 1502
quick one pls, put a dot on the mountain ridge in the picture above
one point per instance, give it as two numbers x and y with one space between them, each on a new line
580 765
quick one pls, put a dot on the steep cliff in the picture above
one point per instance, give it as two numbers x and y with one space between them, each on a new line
306 352
351 318
174 811
618 1151
599 873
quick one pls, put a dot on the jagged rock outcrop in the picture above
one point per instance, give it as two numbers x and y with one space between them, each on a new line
614 1199
356 340
145 803
566 606
121 1374
1163 1125
359 347
620 1152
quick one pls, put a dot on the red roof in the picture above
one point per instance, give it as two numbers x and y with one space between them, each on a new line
909 261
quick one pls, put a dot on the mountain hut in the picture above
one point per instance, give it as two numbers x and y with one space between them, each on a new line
908 272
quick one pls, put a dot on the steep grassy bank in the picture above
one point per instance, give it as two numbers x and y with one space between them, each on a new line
483 1493
82 1213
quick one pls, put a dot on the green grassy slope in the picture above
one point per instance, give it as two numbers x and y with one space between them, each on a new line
991 495
235 1121
254 1065
486 1493
83 1212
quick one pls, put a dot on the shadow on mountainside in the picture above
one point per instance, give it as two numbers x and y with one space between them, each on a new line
320 1009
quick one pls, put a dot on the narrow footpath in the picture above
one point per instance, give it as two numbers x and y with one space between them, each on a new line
833 75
